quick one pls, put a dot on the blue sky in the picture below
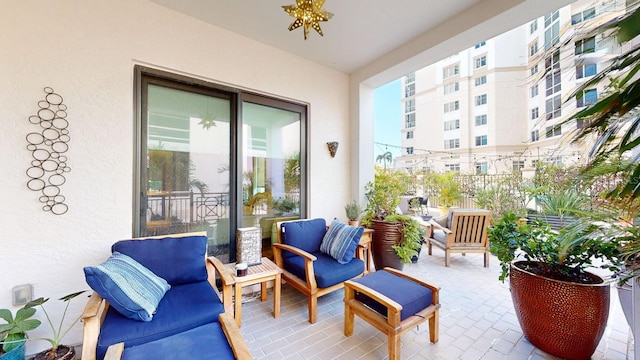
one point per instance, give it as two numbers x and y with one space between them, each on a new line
387 118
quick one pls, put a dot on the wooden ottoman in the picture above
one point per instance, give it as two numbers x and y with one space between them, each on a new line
394 303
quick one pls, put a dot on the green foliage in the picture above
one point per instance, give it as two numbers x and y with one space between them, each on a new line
353 210
383 194
503 197
449 190
562 203
285 205
14 332
564 254
412 234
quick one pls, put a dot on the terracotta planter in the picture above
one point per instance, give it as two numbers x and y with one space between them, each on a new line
385 235
562 318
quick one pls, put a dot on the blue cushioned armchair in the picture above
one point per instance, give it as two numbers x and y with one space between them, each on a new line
192 308
307 268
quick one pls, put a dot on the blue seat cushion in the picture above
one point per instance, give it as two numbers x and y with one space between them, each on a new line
206 342
341 241
177 260
328 271
304 234
412 296
182 308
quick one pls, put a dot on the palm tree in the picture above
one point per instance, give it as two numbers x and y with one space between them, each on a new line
384 159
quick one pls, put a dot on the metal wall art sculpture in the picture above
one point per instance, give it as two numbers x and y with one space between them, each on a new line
48 146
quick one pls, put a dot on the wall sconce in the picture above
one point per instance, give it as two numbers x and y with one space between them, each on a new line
333 148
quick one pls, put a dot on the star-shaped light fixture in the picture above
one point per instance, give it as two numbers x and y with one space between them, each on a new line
308 13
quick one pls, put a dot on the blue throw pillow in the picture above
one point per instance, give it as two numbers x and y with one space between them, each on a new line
341 241
303 234
133 290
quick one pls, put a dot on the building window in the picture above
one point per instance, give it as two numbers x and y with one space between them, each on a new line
533 70
586 46
589 97
481 167
517 165
481 140
480 44
533 91
410 106
535 135
453 87
583 71
552 131
452 125
533 49
553 107
552 29
534 113
585 15
452 167
409 134
410 78
480 62
409 90
553 83
410 120
552 62
481 99
410 150
450 71
452 144
481 80
173 147
481 120
451 106
533 26
581 123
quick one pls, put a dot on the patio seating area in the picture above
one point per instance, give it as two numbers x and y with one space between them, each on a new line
477 321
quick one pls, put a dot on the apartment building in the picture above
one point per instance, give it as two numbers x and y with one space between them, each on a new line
501 104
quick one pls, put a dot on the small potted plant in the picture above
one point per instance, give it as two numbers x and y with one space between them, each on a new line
353 211
13 334
562 308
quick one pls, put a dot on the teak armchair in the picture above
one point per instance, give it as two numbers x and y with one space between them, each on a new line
305 267
465 231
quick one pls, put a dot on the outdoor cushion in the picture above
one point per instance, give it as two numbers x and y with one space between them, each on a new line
129 287
412 296
178 311
341 241
305 235
206 342
177 260
439 236
326 269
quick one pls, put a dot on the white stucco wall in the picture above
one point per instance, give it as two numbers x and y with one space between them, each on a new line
86 51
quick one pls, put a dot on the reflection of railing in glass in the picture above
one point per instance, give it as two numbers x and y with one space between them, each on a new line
186 206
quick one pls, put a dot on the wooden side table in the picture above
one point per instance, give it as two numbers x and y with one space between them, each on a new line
257 274
364 249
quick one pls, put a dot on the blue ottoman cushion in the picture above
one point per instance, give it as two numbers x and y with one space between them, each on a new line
305 234
206 342
327 270
178 311
412 296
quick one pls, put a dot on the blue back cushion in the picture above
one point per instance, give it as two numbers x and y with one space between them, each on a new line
412 296
183 307
305 234
341 241
177 260
129 287
327 270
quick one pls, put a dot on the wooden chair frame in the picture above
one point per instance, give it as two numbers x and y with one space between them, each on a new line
96 308
468 234
307 286
390 325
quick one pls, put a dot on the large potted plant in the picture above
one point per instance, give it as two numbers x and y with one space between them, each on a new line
396 237
562 308
449 191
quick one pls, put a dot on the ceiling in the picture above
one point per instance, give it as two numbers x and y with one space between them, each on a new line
375 34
